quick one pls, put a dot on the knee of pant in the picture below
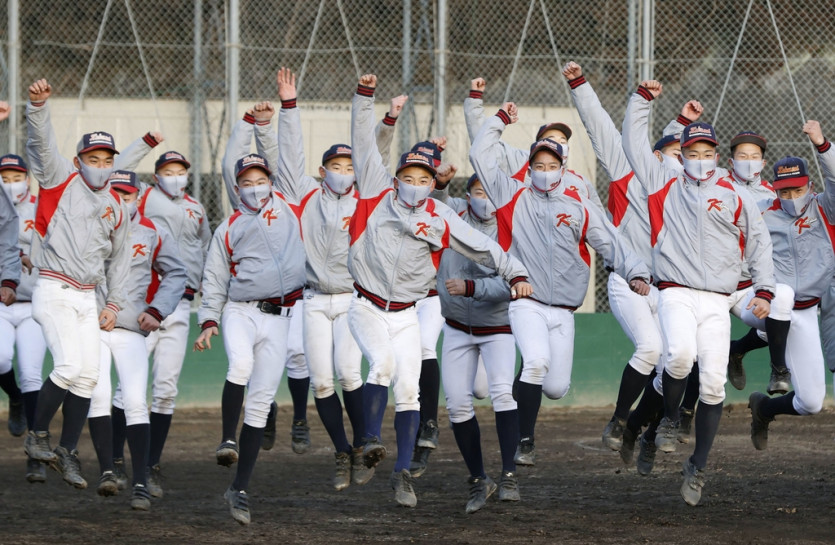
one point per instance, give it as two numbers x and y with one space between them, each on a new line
643 362
679 366
503 402
461 411
324 389
99 405
712 391
137 415
255 414
5 360
534 371
134 404
809 404
351 383
405 396
428 353
65 376
235 375
297 367
782 304
30 382
381 373
163 405
556 391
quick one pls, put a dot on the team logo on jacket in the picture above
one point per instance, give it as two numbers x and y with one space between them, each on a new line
30 224
804 223
109 214
422 229
346 222
139 250
715 204
269 215
565 219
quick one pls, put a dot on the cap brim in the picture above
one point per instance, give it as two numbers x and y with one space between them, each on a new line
250 167
168 162
787 183
699 139
749 139
124 187
15 167
336 156
562 127
99 146
424 166
537 149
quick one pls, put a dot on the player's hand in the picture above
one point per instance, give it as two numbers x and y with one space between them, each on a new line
204 340
147 322
759 307
397 104
478 84
639 286
107 320
286 84
653 86
445 173
439 141
156 135
572 70
692 110
512 111
520 290
40 91
7 296
368 80
5 110
813 129
456 286
26 263
263 111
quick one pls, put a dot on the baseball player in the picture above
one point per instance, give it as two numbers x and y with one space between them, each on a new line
397 235
802 227
169 206
155 283
695 278
80 241
547 226
254 275
16 320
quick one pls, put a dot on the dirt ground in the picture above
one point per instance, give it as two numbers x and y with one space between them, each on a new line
577 493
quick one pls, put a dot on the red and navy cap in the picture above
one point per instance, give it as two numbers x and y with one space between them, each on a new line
549 145
698 132
171 157
790 172
13 162
473 179
96 140
665 141
124 180
416 159
252 160
562 127
748 137
337 150
430 149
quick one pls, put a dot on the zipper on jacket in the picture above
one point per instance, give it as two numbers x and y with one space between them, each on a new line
397 259
332 234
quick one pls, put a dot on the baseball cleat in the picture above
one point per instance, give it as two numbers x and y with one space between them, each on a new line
420 461
525 452
694 480
238 505
140 498
780 382
481 488
17 418
627 446
69 467
736 371
509 487
119 472
360 474
403 485
373 452
37 446
108 485
685 423
300 435
227 453
268 440
613 433
342 476
155 481
759 423
428 437
666 436
35 471
646 457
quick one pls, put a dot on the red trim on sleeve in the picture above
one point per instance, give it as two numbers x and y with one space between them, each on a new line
618 201
155 313
469 288
8 283
518 279
503 115
576 82
645 93
112 307
763 294
249 118
207 324
37 104
476 94
682 120
150 140
288 104
389 120
364 91
823 148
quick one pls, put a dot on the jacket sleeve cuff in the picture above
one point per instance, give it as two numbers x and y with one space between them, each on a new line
150 140
38 104
389 120
288 104
823 148
249 118
112 307
764 294
517 280
207 324
501 114
682 120
155 313
645 93
189 294
11 284
365 91
469 288
576 82
476 94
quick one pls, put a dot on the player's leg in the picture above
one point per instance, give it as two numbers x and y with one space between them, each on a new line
431 323
688 404
561 338
31 349
298 380
98 421
776 327
481 389
8 382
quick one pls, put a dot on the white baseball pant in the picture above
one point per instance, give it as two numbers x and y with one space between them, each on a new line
296 363
828 327
481 388
256 343
328 343
638 316
460 355
804 358
130 356
69 320
21 332
390 341
781 305
545 336
431 322
168 346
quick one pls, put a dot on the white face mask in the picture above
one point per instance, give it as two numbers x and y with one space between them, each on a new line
483 209
132 209
255 196
17 191
699 169
747 170
672 163
564 151
93 176
339 183
413 195
795 207
173 186
546 180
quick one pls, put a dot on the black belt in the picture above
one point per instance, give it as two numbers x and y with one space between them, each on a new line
268 307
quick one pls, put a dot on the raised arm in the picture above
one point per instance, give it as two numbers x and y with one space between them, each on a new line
648 170
266 141
498 185
826 157
237 146
45 161
172 273
290 175
372 176
509 159
384 132
129 158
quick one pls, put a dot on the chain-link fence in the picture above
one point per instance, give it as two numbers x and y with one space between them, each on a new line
754 65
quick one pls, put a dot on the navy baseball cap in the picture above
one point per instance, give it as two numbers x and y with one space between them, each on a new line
171 157
549 145
337 150
13 162
96 140
124 180
562 127
748 137
665 141
252 160
416 159
430 149
698 132
790 172
473 179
